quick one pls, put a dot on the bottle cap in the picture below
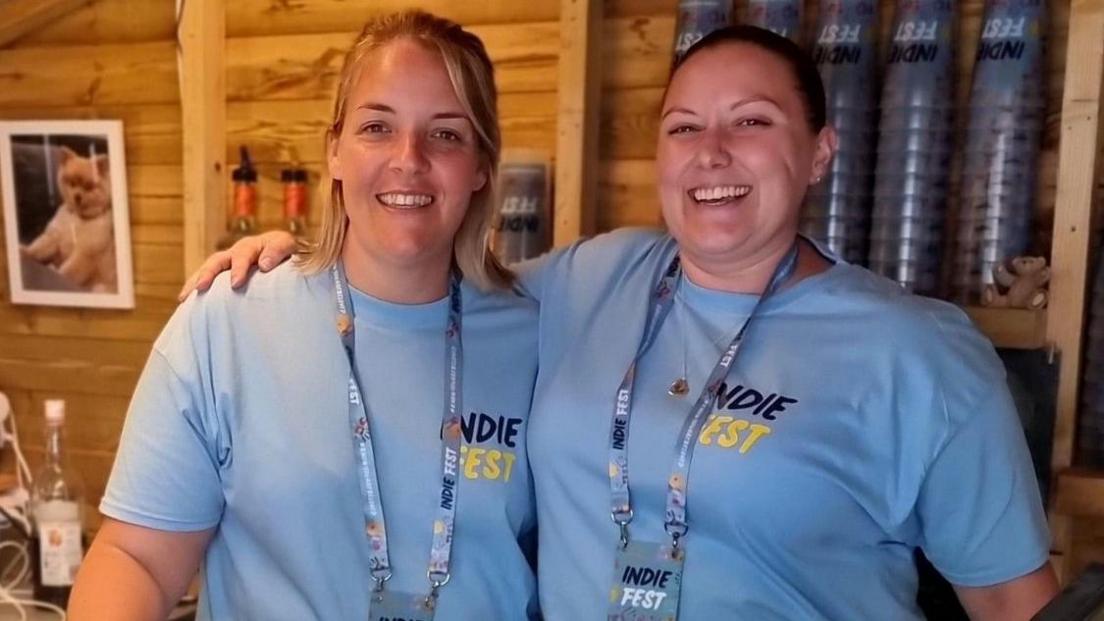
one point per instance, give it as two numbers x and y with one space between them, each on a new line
55 411
245 171
293 175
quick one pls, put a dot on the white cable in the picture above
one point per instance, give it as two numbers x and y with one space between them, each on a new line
22 471
20 603
20 556
15 503
5 598
6 586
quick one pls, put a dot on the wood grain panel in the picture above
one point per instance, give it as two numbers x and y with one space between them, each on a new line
250 18
627 194
141 325
108 22
20 17
80 376
88 75
307 66
151 132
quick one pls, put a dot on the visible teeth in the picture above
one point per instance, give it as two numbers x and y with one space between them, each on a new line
721 192
395 199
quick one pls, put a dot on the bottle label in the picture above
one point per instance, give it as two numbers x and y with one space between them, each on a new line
245 200
60 552
295 200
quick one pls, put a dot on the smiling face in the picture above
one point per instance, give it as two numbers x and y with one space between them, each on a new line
735 155
407 157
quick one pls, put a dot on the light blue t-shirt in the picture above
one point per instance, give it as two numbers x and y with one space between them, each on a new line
240 421
859 422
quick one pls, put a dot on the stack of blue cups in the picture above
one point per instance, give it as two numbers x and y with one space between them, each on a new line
915 140
1006 118
779 16
697 18
1090 436
837 209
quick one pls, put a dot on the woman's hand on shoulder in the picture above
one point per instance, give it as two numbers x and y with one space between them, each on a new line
266 251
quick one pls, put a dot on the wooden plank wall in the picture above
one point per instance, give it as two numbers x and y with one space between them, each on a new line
113 59
116 59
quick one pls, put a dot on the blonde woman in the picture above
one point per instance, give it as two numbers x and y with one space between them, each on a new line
344 439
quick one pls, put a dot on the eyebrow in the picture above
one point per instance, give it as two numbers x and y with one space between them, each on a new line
735 105
385 108
673 110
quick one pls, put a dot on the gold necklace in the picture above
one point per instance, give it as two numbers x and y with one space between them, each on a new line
680 386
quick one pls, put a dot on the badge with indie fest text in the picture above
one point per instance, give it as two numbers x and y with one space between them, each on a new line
646 583
399 606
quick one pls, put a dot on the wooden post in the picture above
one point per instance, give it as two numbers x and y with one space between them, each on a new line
19 17
577 119
1078 162
203 112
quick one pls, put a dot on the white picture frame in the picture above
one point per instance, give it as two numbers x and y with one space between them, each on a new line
66 217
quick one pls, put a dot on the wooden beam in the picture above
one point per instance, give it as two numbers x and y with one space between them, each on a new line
1080 493
1078 163
577 119
203 119
1073 219
20 17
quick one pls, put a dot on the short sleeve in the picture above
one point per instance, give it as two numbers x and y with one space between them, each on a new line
533 273
980 510
166 473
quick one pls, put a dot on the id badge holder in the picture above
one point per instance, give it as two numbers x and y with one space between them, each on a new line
647 581
398 606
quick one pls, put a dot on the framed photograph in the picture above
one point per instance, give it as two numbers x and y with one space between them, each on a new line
66 221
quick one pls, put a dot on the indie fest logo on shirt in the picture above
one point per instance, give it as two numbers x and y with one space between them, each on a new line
485 453
727 431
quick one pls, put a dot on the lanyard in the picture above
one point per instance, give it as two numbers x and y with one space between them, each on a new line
374 527
661 302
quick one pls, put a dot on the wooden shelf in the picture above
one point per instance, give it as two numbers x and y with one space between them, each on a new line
1015 328
1080 493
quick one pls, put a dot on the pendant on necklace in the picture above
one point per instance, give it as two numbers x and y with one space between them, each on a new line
679 387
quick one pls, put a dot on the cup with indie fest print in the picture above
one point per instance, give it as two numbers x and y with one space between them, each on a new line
915 137
778 16
1006 116
837 208
697 18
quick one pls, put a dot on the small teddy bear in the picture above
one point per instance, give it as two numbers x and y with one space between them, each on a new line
1024 278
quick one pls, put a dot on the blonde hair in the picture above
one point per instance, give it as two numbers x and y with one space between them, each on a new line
472 76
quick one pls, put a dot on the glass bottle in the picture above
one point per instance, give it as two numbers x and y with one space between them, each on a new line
245 202
295 200
57 500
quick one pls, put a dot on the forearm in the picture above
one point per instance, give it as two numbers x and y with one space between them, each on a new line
112 584
1014 600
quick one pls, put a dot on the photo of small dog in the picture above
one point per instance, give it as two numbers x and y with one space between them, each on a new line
65 213
79 242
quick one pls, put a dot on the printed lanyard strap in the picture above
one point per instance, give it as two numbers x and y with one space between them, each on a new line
662 300
359 419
